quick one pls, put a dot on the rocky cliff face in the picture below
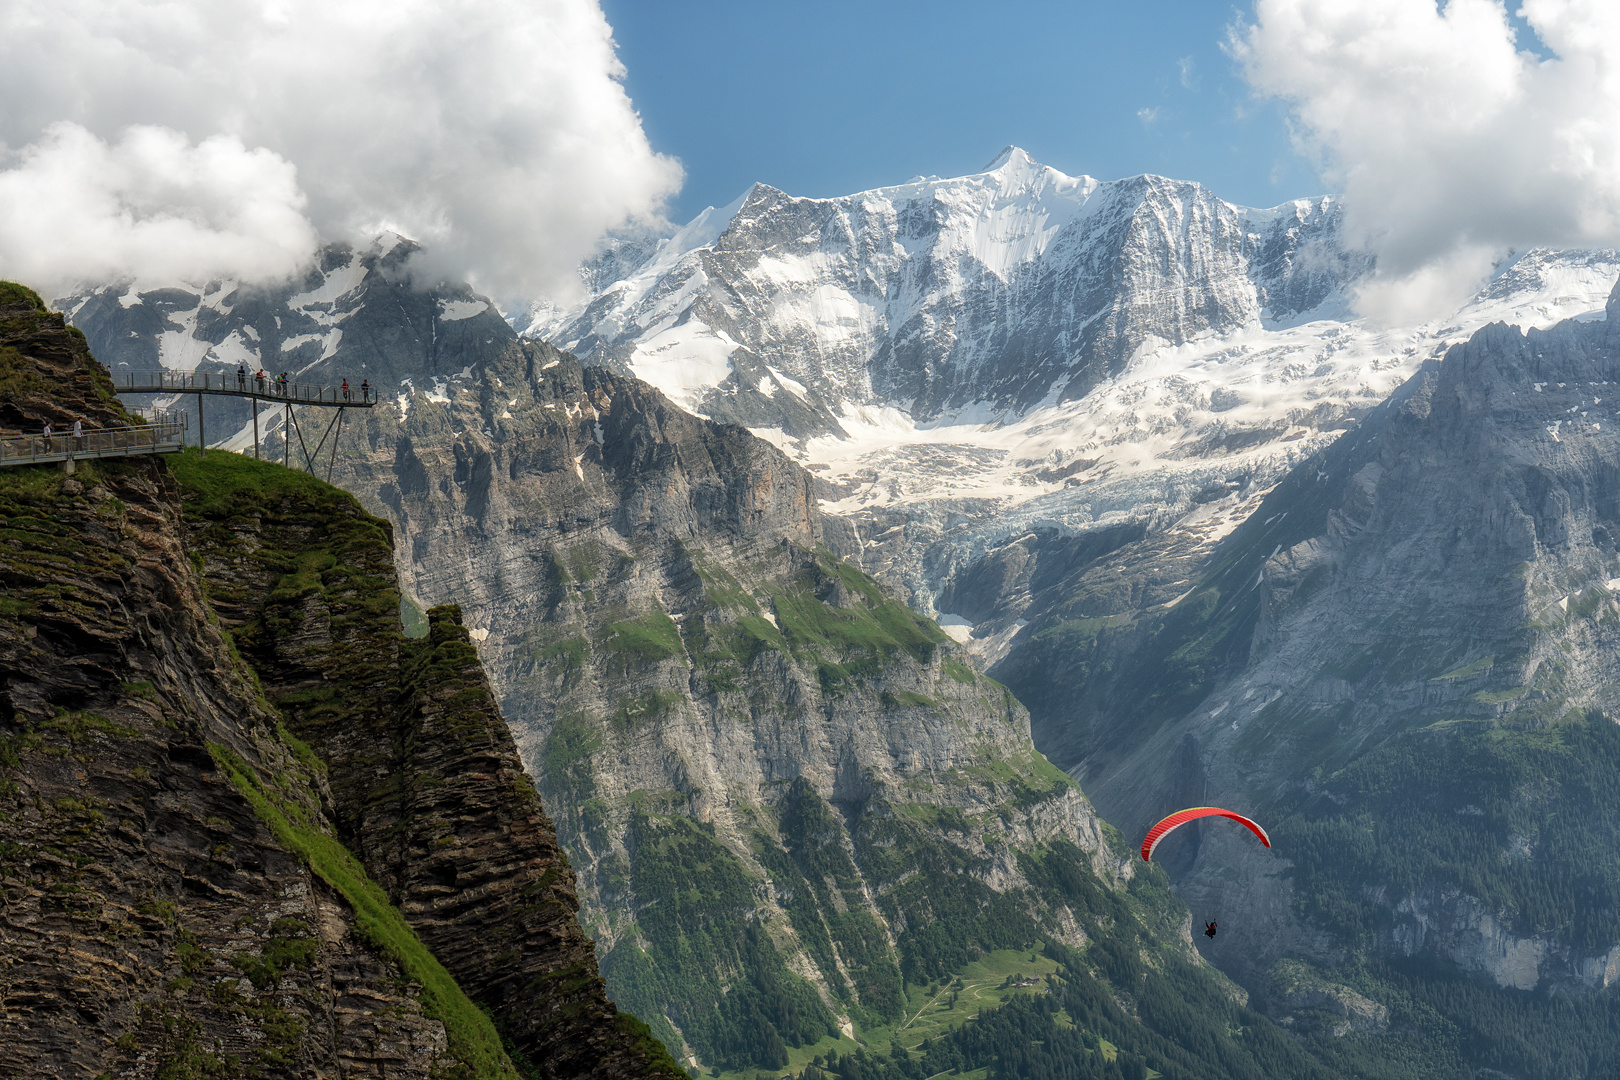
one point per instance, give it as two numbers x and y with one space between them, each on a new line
175 902
720 708
792 806
154 920
1406 658
427 786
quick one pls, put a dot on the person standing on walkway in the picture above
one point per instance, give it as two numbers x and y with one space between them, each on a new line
365 389
241 377
345 389
48 436
78 434
260 378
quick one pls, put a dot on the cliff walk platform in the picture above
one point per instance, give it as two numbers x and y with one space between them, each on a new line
229 384
284 395
163 436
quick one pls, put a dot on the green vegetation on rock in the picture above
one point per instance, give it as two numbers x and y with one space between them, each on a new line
755 1008
472 1035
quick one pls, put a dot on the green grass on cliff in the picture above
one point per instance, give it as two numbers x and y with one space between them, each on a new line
849 640
223 484
13 293
651 638
472 1035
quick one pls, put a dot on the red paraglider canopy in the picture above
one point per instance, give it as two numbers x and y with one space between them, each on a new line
1181 817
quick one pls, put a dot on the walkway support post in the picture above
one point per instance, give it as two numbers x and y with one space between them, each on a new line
335 438
290 395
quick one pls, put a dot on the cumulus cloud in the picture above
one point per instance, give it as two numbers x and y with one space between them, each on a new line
200 138
78 207
1451 143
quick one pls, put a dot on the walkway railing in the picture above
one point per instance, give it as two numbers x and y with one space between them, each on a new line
164 436
227 382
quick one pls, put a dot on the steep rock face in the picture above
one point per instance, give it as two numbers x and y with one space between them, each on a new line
1406 658
426 784
175 901
152 919
788 800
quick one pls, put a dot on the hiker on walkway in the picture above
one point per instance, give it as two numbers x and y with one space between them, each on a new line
260 377
78 435
365 389
47 433
345 389
241 377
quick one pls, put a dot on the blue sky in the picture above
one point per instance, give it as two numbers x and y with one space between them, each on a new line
836 96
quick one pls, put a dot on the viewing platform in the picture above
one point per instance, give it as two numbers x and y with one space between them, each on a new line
281 396
233 385
163 436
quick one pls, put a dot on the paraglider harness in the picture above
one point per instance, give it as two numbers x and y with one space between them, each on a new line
1209 930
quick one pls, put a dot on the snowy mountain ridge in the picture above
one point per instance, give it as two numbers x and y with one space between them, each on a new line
966 358
1006 287
1020 348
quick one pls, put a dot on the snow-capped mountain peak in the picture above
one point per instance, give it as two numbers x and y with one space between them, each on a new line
1024 346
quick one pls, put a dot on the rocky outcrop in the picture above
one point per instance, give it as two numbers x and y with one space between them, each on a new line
152 921
174 898
427 787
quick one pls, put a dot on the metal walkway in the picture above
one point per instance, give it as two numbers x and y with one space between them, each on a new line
165 436
229 384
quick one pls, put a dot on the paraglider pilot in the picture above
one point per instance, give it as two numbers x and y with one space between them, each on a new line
1209 930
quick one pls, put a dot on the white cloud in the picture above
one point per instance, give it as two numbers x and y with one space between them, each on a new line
152 204
496 132
1451 144
1149 115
